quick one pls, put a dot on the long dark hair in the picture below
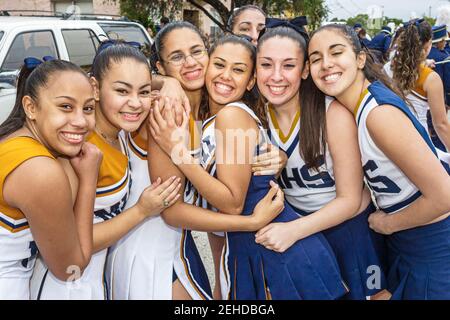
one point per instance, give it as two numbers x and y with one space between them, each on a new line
158 46
313 119
29 83
248 98
409 54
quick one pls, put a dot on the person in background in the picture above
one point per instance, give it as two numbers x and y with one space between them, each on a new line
438 54
420 84
362 34
357 27
380 43
164 21
247 20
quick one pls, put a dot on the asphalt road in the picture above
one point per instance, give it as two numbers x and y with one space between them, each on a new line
201 240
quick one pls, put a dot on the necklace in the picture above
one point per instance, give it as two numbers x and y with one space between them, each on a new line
106 138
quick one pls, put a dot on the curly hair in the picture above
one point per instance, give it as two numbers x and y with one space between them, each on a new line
410 54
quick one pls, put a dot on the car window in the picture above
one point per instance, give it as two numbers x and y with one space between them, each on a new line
1 35
29 44
81 46
125 32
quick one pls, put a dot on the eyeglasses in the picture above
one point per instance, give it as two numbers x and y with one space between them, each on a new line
179 58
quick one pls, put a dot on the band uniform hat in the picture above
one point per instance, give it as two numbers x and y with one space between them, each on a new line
386 29
439 33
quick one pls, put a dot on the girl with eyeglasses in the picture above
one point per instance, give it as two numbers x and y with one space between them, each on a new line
170 46
307 270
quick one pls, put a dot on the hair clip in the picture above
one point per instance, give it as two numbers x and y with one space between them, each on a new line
297 23
109 43
32 62
415 22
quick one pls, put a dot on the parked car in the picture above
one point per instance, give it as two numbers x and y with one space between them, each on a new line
73 40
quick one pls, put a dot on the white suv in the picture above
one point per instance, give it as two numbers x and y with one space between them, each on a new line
73 40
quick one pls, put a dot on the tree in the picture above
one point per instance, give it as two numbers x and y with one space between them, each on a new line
140 10
360 18
430 20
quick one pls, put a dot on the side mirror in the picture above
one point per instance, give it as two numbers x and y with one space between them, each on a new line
8 79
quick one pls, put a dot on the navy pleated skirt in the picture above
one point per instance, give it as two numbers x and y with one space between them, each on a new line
307 270
420 262
361 254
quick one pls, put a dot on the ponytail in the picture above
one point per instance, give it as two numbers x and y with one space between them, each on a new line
409 54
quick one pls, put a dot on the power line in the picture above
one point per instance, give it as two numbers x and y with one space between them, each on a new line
343 8
356 5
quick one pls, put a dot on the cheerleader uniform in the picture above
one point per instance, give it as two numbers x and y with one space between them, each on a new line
307 270
139 266
419 103
419 258
188 265
111 196
17 248
358 249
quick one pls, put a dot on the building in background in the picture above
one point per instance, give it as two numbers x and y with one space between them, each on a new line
200 19
110 7
48 7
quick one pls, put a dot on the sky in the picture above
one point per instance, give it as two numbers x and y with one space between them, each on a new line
402 9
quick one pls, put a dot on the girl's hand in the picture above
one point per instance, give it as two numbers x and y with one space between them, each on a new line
430 63
87 163
172 89
162 125
378 221
269 207
276 236
158 197
272 162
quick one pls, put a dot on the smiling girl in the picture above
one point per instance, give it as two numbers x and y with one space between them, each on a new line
413 194
249 271
177 58
146 263
323 184
121 80
53 114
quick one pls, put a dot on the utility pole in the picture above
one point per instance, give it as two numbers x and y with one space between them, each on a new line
429 12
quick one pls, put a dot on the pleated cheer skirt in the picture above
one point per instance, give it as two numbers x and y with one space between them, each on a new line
307 270
420 262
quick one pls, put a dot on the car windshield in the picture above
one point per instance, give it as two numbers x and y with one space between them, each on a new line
1 35
125 32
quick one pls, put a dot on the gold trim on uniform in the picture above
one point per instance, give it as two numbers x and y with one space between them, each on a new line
113 173
274 120
14 152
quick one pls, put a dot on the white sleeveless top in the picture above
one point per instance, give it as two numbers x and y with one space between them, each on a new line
305 189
